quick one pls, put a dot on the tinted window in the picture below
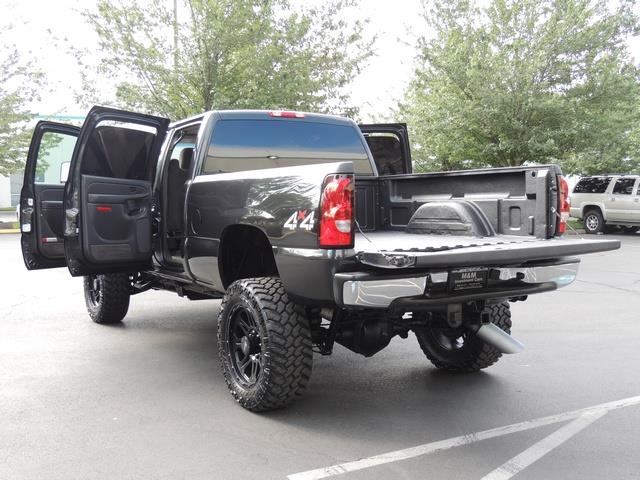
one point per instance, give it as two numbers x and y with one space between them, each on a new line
592 185
386 149
119 151
624 186
239 145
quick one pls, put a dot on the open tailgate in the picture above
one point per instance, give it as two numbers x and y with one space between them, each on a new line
400 250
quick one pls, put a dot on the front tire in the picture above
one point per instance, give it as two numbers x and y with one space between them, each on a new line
593 222
459 350
264 344
630 229
107 297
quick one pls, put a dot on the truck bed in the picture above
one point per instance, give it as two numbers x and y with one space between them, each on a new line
386 249
517 207
517 201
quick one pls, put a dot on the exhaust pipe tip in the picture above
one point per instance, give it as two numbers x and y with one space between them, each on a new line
498 338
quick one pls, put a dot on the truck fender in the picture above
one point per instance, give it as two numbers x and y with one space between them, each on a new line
585 207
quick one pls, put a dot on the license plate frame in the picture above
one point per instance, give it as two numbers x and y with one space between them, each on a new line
472 278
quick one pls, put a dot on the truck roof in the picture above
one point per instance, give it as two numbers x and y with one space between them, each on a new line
280 114
268 115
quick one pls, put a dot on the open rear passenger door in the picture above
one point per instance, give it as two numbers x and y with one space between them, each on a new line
41 213
389 145
108 196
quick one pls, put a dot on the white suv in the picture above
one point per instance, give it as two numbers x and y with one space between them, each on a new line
607 200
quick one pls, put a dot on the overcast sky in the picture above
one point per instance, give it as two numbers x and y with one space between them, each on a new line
39 22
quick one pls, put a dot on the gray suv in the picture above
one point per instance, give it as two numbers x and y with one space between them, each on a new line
607 200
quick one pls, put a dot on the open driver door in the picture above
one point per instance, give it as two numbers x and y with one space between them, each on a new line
41 213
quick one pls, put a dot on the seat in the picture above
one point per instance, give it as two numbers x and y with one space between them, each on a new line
186 155
177 176
387 152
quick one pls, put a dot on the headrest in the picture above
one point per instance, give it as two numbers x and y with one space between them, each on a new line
186 155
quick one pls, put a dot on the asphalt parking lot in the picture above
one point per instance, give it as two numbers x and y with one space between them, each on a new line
147 399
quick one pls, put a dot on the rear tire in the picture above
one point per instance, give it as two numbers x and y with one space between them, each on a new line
630 229
107 297
593 222
264 344
457 350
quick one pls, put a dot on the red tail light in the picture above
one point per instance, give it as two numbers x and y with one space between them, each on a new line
285 114
336 212
565 206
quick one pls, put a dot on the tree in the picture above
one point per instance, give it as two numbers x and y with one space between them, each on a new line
544 81
218 54
19 82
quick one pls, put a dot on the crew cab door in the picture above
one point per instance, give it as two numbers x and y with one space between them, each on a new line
107 198
389 145
41 213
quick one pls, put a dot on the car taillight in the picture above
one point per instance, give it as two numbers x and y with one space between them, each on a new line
336 212
565 206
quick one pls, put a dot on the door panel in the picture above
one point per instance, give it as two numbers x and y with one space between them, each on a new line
41 213
619 208
633 214
118 212
107 200
620 203
49 220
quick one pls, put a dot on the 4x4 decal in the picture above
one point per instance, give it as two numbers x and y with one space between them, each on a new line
300 219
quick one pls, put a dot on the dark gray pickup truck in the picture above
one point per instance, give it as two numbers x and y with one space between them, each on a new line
311 228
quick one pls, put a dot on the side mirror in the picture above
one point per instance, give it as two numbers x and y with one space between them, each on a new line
64 171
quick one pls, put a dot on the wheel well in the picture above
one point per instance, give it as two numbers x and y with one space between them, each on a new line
591 208
245 252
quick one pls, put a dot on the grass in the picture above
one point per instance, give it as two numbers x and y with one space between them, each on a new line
576 224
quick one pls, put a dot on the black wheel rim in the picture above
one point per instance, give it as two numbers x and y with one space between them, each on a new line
95 290
245 346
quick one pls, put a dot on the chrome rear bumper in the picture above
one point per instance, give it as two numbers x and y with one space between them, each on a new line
361 290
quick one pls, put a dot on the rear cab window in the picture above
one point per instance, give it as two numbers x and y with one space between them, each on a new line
254 144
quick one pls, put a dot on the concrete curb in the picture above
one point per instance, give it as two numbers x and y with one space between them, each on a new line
11 230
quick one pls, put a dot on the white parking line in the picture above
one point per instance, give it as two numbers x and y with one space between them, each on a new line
428 448
544 446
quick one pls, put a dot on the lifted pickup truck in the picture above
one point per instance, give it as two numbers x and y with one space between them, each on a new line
313 231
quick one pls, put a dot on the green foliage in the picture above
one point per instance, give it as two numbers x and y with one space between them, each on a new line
19 83
545 81
224 54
